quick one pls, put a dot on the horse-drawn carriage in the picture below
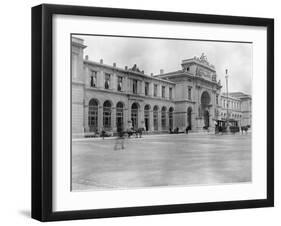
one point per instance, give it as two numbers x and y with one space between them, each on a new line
137 132
221 127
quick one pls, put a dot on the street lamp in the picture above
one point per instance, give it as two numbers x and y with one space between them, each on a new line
227 115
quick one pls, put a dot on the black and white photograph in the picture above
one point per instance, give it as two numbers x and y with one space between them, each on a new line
159 112
147 112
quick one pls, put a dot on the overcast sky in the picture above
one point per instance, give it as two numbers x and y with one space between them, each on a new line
151 55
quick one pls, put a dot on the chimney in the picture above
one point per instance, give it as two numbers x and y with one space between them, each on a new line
86 57
161 71
151 74
114 64
142 71
126 68
101 61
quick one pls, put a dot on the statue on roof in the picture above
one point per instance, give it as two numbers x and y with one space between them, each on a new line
203 58
135 68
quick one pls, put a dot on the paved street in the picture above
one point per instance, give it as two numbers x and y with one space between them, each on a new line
161 160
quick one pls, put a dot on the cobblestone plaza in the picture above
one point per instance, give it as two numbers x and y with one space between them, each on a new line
161 160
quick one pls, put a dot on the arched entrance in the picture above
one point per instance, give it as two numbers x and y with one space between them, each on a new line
93 115
107 114
189 117
119 115
163 118
135 115
146 117
206 118
171 117
155 117
205 104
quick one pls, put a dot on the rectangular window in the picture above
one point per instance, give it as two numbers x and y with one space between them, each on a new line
146 89
93 79
189 93
217 99
170 93
119 83
163 91
106 81
135 86
155 90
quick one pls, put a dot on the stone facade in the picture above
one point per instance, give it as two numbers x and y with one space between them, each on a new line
197 90
239 108
105 97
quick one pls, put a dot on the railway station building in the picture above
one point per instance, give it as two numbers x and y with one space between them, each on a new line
106 96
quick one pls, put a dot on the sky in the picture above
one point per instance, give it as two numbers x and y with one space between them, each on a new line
151 55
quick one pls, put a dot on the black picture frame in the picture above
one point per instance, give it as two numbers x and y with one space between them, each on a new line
42 107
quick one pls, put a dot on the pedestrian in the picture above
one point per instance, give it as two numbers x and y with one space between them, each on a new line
120 139
139 132
102 133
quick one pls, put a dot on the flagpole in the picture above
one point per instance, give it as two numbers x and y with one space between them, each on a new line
227 101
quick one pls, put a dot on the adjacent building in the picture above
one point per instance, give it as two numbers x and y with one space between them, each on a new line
239 108
105 97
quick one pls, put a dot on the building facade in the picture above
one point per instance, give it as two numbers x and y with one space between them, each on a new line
238 110
105 97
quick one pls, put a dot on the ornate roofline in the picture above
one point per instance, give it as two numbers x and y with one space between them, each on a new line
202 61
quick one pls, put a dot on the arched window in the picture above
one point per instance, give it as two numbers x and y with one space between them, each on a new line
93 115
205 98
155 117
107 114
171 117
163 118
119 115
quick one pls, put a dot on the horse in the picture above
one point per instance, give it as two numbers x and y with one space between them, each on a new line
220 129
138 132
244 128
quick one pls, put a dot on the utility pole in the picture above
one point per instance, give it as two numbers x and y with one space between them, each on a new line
227 102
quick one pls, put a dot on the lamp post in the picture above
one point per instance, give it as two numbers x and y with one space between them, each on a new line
227 102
